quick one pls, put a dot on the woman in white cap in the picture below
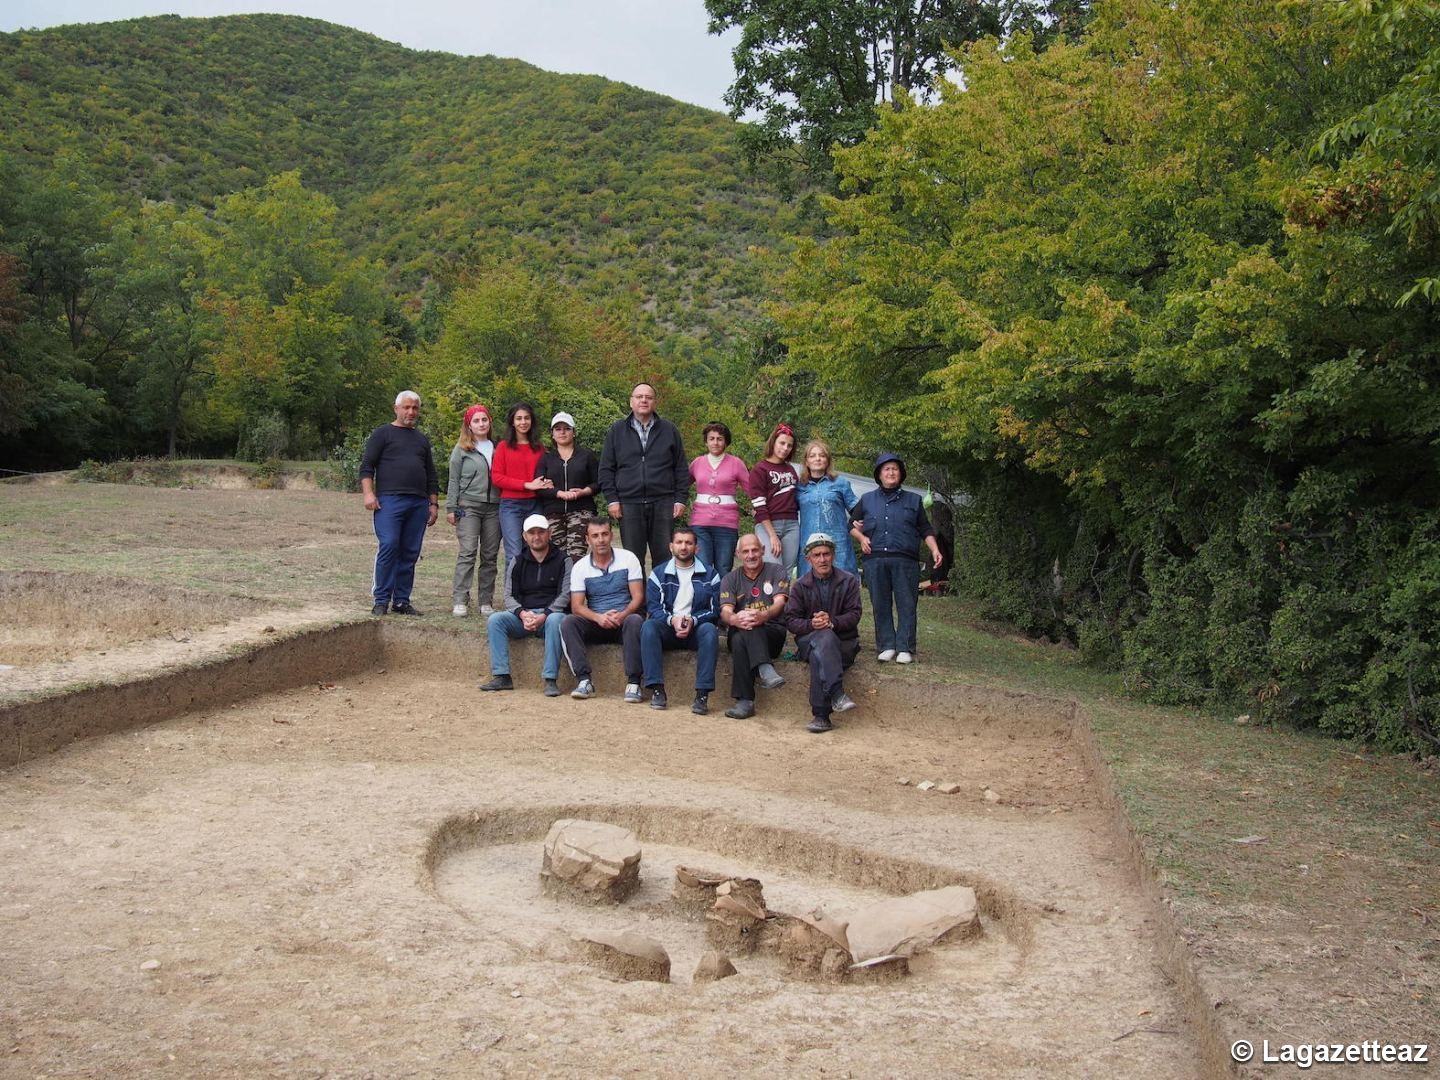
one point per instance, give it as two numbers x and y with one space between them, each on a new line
569 477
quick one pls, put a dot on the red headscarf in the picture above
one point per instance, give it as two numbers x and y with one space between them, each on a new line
471 411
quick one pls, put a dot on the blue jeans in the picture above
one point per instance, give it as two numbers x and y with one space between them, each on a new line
716 547
400 529
502 626
657 635
893 582
513 513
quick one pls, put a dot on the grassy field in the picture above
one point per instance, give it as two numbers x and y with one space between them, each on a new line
1324 925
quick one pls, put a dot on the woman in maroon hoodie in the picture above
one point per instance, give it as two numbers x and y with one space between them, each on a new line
513 472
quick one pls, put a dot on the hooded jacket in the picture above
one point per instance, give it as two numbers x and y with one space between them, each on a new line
895 521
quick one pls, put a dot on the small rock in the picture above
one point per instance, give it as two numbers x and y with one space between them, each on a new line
926 785
880 969
592 859
904 781
1243 719
948 789
150 965
629 956
268 630
713 967
991 796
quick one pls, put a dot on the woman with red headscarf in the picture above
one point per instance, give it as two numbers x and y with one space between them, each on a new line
772 494
472 505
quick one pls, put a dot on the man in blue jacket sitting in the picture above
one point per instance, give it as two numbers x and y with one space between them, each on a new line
682 598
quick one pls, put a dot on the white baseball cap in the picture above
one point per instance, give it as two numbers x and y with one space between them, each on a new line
535 521
562 418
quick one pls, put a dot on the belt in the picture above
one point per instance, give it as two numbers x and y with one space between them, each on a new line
716 500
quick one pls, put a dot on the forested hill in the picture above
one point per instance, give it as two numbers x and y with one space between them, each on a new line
626 194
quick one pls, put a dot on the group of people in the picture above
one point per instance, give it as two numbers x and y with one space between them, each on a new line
566 582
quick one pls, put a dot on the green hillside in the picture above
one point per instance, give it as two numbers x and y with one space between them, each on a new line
430 158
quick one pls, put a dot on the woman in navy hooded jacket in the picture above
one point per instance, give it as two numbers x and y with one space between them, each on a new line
890 524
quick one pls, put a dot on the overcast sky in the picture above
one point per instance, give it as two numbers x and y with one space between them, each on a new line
658 45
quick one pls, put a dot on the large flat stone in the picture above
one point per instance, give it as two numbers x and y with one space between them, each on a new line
909 924
629 956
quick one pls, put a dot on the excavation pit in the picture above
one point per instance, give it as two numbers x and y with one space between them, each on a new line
274 874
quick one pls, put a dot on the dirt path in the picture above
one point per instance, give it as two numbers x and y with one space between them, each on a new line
271 858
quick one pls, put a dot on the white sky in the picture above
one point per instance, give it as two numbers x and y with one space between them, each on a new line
658 45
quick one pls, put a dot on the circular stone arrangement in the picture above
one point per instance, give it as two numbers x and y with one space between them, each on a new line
706 913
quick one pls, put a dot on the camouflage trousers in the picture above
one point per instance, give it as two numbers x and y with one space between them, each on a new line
567 530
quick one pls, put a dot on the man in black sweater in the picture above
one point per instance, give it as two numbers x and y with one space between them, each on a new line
539 598
398 483
645 477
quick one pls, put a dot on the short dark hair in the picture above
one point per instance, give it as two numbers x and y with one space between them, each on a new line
596 519
683 528
716 425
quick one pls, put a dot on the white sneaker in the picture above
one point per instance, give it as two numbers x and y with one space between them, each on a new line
632 693
460 611
904 658
886 656
486 610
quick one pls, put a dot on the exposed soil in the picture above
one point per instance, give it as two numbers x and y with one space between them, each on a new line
53 617
332 880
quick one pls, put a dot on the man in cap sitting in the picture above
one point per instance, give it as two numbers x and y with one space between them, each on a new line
823 612
539 596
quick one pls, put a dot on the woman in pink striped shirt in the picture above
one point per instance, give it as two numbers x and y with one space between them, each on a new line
715 515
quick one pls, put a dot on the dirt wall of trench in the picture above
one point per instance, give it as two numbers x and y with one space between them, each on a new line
43 725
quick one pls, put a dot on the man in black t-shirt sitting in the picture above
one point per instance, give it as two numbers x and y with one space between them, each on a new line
398 483
752 599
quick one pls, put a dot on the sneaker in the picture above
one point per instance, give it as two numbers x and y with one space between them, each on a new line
404 608
886 655
904 658
460 611
551 688
632 693
770 679
487 610
819 725
743 709
498 682
380 609
658 700
584 690
841 702
701 705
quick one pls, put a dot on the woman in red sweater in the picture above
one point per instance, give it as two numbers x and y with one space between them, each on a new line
513 472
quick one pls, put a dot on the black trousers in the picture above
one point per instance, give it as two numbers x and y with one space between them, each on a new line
646 526
748 650
578 633
828 656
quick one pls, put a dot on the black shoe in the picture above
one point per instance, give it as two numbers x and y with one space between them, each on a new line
743 709
498 682
552 689
819 725
658 700
403 609
379 609
701 705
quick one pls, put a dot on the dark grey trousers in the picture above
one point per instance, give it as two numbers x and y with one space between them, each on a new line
828 656
578 633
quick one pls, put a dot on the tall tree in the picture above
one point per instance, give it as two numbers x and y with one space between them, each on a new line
814 73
